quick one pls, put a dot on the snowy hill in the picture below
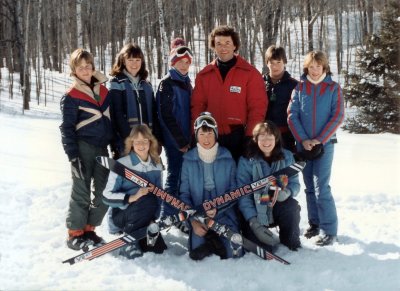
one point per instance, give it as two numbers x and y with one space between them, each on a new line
35 189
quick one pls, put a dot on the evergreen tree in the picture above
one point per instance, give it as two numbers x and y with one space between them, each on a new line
374 89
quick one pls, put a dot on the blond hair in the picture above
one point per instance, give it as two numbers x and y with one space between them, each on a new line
320 58
146 133
77 56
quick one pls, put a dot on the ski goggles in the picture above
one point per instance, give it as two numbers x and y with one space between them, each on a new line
183 51
205 119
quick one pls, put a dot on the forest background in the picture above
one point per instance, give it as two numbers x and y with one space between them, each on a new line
37 36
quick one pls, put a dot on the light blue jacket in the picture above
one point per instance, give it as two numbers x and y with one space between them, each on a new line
316 111
119 189
192 181
250 170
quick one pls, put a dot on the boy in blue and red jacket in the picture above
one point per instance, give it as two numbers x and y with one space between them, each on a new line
86 132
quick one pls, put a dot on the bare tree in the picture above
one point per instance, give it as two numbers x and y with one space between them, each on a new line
164 42
79 34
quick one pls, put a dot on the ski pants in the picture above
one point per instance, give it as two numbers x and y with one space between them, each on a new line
320 203
174 160
86 205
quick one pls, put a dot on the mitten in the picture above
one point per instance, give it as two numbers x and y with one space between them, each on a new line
283 195
262 233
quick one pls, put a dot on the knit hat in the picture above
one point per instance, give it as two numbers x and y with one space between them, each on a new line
179 51
207 120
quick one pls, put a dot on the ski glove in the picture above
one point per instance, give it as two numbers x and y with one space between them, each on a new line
263 234
76 168
283 195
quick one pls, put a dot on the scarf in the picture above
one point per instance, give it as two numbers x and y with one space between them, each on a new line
207 155
318 81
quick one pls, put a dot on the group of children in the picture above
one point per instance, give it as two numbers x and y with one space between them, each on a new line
231 129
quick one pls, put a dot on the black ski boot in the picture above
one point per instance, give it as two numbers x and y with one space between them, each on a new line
200 252
326 240
80 242
97 240
312 231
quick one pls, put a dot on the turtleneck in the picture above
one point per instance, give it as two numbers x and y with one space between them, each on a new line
224 67
207 155
318 81
134 80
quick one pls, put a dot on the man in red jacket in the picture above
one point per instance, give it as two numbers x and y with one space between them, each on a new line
232 90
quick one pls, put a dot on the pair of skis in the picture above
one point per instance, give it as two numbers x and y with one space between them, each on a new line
277 179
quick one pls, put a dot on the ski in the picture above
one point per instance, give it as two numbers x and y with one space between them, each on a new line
278 179
122 241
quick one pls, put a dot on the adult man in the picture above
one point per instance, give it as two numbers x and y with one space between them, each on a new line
232 90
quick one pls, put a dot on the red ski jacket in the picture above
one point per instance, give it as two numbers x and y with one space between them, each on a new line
240 100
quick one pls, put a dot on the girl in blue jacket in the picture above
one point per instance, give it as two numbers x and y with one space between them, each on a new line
314 114
207 172
264 156
132 206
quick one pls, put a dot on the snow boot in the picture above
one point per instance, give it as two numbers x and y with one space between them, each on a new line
326 240
200 252
312 231
131 251
79 242
216 245
97 240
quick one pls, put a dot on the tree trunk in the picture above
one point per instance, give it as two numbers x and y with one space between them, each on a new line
128 23
165 46
79 33
38 67
309 26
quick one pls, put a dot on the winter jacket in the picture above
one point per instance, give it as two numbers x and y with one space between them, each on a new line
252 169
173 108
118 189
192 181
316 111
130 105
85 115
240 100
279 95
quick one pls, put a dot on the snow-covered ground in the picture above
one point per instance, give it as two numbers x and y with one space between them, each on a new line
34 194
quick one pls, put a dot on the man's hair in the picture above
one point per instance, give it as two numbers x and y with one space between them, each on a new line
224 30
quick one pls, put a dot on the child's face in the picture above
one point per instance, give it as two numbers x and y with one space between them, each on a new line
206 138
84 71
133 65
315 70
266 143
141 146
276 68
182 66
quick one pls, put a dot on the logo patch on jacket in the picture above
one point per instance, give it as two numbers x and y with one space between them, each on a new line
235 89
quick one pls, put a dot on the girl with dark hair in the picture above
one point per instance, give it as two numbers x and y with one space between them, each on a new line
132 96
263 157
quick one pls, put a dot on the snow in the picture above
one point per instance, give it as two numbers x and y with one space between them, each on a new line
35 188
